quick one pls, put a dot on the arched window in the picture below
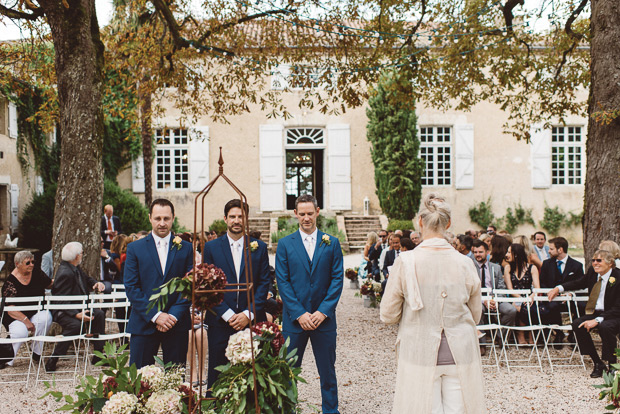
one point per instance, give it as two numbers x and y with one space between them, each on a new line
304 136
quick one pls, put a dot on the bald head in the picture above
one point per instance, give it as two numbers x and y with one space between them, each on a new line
108 210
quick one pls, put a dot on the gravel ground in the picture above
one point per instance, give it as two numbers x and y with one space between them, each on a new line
366 369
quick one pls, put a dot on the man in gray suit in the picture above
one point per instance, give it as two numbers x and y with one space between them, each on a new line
491 276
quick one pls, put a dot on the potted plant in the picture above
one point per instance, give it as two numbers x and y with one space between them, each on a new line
351 274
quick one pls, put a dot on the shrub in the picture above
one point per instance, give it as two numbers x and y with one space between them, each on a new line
400 225
482 214
288 225
553 219
219 226
37 220
516 217
134 216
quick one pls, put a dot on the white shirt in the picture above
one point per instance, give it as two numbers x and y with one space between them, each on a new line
108 220
162 245
236 249
600 302
309 241
542 253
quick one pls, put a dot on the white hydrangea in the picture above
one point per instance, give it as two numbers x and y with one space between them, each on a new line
164 402
376 287
239 350
120 403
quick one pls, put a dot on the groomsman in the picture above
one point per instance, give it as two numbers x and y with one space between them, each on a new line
234 314
310 273
151 262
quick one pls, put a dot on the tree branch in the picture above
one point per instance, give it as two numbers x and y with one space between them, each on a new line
507 10
409 40
564 58
16 14
573 16
243 20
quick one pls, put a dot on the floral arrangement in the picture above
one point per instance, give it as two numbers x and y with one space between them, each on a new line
351 274
207 276
122 389
326 240
609 389
276 374
371 289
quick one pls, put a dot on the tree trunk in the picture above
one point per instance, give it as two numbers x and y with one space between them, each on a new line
147 144
79 70
602 195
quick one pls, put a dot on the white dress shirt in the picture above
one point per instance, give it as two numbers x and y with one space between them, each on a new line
163 247
542 253
600 302
309 241
236 249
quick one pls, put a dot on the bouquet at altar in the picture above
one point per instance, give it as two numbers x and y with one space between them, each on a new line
207 278
120 389
276 374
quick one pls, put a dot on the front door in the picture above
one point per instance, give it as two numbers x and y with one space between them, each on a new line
304 175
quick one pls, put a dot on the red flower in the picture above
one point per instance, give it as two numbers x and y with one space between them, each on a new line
109 384
207 277
271 331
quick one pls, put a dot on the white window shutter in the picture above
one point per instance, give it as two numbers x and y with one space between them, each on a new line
137 175
279 77
464 156
271 142
12 120
339 162
198 158
540 150
14 207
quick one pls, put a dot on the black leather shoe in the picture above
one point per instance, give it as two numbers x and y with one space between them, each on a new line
50 365
558 341
597 372
36 357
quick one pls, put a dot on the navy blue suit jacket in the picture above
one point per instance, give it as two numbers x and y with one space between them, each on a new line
217 252
143 276
309 286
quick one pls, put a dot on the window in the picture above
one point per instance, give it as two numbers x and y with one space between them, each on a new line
436 151
171 159
304 136
566 155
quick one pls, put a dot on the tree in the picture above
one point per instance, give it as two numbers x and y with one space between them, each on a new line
392 131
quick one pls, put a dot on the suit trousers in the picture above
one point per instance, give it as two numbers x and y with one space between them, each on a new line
218 335
447 395
173 345
507 314
608 329
324 349
72 326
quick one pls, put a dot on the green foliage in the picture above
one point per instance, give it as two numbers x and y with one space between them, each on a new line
516 217
283 222
392 132
554 219
276 380
400 225
37 220
609 388
289 225
482 214
219 226
133 214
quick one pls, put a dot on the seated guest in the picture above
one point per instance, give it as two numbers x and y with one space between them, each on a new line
23 283
532 257
463 245
499 247
558 269
602 310
519 274
492 276
377 253
405 246
391 254
416 238
542 251
108 269
71 280
368 263
115 254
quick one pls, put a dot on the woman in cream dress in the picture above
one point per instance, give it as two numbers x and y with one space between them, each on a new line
434 293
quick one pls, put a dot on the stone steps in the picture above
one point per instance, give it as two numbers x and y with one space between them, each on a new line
261 224
358 227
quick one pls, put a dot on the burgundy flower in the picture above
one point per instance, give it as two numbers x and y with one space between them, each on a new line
271 331
109 384
207 277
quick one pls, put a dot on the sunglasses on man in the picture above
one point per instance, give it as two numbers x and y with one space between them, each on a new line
597 260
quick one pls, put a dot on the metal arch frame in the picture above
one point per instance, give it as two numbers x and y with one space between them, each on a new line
237 287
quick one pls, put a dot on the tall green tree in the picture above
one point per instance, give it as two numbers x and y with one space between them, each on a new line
392 132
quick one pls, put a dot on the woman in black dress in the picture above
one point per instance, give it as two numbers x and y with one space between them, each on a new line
22 283
519 274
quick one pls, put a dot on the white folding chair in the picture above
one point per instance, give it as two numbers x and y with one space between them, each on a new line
512 360
104 302
118 287
60 303
21 304
490 329
557 359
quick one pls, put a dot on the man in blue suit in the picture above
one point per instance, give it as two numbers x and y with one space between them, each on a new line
234 314
309 273
151 262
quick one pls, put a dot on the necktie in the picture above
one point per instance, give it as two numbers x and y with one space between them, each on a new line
483 275
110 228
397 253
163 254
559 264
594 294
237 257
309 247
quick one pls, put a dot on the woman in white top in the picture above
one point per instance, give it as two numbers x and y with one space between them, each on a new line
434 293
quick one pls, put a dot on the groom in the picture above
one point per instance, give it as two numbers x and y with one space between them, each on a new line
151 262
233 314
309 272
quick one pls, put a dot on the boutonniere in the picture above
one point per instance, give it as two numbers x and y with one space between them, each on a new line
253 246
176 242
325 240
612 281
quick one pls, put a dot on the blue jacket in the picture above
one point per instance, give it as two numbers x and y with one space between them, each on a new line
143 276
309 287
217 252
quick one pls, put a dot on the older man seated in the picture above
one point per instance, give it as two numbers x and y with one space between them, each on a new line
71 280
